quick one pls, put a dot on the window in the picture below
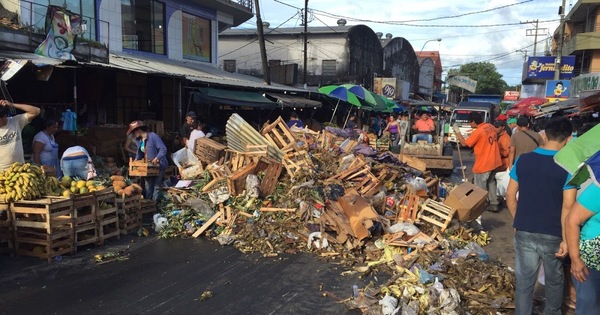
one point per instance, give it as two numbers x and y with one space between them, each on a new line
329 67
196 38
85 8
143 25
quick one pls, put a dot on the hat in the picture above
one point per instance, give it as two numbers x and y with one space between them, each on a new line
191 114
135 125
512 121
499 123
501 117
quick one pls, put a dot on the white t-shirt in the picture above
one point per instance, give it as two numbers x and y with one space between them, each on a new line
11 141
193 136
47 141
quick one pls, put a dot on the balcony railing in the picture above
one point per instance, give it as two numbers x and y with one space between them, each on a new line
248 4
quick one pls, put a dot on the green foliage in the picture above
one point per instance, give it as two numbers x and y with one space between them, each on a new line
489 81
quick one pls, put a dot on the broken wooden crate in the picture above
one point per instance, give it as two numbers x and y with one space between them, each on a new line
436 213
272 170
43 228
130 213
296 162
142 168
106 215
280 135
236 182
208 150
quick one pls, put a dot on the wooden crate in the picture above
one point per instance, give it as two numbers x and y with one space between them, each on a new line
104 198
236 182
272 170
108 228
142 168
130 220
295 162
171 170
129 202
436 213
280 135
156 126
148 206
208 150
86 234
84 209
6 230
43 228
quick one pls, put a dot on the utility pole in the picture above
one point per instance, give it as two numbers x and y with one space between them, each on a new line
558 60
305 40
261 41
535 32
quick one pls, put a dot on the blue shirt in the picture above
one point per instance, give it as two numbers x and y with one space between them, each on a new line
541 184
590 199
154 147
296 122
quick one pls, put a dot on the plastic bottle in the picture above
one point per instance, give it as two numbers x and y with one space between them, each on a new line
355 291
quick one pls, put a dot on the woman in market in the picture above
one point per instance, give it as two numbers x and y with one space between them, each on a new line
583 240
153 149
45 148
393 128
76 162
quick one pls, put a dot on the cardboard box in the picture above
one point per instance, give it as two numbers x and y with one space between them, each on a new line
468 200
359 212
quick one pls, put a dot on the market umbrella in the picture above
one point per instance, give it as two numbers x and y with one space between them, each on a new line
529 101
342 94
362 93
523 111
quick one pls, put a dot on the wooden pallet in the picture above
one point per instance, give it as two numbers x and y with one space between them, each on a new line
436 213
148 206
86 234
108 228
280 135
352 170
408 208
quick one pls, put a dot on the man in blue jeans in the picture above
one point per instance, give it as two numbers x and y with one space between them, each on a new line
539 216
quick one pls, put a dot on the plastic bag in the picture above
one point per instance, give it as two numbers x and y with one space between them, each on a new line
408 228
252 185
389 305
502 179
188 164
417 183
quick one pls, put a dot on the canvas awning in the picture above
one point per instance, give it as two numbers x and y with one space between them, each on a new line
233 98
295 101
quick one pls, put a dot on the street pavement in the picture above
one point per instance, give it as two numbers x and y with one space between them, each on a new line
170 276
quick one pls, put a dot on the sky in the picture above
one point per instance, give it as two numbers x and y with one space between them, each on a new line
471 30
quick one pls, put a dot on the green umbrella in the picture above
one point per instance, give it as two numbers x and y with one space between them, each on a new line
342 94
361 93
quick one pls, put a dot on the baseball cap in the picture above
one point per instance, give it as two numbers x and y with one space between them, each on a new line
501 117
191 114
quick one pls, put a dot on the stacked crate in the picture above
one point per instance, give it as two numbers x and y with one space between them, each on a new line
130 213
148 206
6 230
208 151
43 228
84 214
106 215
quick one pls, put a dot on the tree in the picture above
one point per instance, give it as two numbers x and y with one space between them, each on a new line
489 81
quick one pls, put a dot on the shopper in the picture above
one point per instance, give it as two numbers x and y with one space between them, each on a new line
152 149
539 214
523 141
11 138
76 162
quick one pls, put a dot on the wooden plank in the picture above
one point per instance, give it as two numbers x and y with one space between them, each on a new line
267 209
208 223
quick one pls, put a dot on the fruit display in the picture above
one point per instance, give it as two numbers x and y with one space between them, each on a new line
121 187
67 186
22 182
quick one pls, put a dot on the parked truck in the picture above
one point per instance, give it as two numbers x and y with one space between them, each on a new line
487 105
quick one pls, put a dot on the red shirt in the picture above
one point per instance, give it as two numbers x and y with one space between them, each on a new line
424 125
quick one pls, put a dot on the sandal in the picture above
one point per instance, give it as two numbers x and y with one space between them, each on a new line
570 303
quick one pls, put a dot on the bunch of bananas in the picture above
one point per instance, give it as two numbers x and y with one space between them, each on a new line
483 238
53 186
22 182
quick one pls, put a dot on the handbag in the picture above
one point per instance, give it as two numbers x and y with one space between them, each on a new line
590 252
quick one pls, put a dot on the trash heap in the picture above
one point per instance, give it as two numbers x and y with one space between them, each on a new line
335 195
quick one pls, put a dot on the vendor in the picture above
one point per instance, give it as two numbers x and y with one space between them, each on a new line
188 126
11 143
424 126
45 148
295 121
76 162
152 149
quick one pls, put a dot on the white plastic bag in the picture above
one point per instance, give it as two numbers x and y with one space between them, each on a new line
188 164
502 179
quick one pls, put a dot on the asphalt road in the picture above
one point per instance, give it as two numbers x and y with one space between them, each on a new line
169 277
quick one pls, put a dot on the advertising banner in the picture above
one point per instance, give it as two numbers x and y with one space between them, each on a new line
463 82
542 67
510 96
385 87
557 90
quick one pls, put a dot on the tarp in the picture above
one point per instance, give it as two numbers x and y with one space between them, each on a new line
233 98
296 101
579 156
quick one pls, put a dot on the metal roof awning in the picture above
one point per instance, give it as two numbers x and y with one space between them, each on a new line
36 59
190 70
233 98
296 101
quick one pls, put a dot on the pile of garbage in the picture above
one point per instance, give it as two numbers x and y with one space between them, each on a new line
283 191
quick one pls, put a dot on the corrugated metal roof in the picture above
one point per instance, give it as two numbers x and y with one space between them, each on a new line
288 30
192 71
34 58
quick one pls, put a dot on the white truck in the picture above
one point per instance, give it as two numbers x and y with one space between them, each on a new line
460 115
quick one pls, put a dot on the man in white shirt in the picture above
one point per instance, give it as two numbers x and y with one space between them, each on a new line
195 134
11 138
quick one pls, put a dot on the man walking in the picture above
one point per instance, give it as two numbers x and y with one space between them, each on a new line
539 216
484 140
523 141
